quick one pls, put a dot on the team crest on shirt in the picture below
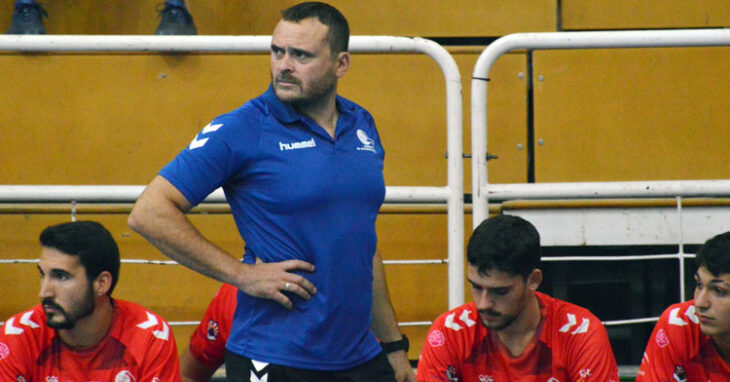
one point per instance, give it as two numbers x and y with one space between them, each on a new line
436 338
213 330
367 143
4 351
124 376
662 339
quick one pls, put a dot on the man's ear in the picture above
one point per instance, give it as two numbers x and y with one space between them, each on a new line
103 283
342 63
534 279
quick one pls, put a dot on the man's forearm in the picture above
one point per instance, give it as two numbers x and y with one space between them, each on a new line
159 216
384 324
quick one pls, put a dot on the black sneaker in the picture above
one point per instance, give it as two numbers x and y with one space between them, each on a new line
175 21
28 19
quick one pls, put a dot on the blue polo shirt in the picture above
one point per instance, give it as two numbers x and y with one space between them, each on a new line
296 193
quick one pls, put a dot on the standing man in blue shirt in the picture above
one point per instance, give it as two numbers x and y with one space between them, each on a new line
301 168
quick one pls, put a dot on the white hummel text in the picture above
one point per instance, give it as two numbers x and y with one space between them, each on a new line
297 145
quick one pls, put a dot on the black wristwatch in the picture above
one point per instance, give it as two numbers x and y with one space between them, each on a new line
401 344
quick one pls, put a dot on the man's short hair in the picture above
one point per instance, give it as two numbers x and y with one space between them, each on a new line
505 243
91 242
715 254
339 31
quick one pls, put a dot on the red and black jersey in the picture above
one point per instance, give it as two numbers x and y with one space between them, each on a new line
139 347
678 346
570 344
208 341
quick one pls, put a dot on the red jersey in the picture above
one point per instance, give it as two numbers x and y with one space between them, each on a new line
138 348
208 341
678 344
570 344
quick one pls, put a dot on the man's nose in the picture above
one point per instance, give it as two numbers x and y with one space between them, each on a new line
484 302
46 289
701 299
285 63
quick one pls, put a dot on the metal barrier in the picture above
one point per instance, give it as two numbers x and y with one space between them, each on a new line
451 194
482 191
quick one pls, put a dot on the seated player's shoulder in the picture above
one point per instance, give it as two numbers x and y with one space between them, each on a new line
456 322
679 318
27 324
143 324
570 319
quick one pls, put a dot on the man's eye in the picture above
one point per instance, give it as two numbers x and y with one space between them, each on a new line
501 292
720 292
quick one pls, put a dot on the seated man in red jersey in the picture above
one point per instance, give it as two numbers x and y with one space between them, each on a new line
691 340
79 332
511 332
207 348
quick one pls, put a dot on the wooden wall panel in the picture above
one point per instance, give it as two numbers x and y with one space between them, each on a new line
114 119
641 114
117 119
638 14
220 17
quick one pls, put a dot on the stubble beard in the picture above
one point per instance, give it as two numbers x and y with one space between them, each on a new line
316 93
84 309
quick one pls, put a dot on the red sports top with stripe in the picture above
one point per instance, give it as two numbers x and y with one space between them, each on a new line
570 344
208 341
678 342
139 347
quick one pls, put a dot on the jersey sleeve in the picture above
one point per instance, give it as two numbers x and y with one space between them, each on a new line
157 356
208 341
439 356
20 340
590 353
214 155
667 345
15 357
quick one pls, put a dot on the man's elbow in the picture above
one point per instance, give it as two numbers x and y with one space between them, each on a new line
137 219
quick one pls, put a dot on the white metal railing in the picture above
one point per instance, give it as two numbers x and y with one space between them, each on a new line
482 190
452 194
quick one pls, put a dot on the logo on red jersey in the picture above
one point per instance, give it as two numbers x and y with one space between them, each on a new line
124 376
662 340
213 330
436 338
572 321
20 378
4 351
151 322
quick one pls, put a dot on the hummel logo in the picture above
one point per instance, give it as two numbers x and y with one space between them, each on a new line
297 145
582 328
196 143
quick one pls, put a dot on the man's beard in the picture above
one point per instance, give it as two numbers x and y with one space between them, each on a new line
316 93
85 307
506 321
